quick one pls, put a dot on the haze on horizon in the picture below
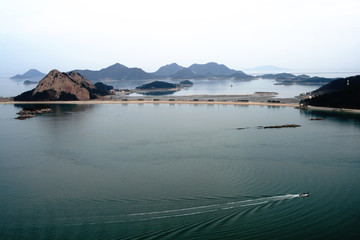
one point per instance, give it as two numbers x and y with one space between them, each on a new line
67 35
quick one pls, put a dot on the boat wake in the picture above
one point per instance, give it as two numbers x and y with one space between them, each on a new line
211 208
146 216
183 212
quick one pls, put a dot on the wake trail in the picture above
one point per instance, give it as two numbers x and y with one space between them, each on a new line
144 216
191 211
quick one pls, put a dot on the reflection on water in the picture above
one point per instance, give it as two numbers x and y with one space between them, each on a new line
157 93
336 116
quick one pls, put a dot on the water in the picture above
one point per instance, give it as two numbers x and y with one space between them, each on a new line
171 171
233 87
10 88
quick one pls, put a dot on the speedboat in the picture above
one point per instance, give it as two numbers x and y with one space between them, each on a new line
305 194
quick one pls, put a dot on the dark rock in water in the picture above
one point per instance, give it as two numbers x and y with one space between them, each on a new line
33 110
283 126
316 119
25 116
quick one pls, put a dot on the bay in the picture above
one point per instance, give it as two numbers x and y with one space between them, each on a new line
178 171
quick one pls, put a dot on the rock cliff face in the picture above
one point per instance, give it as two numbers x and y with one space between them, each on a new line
58 83
58 86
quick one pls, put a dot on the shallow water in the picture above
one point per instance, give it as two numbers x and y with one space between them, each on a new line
150 171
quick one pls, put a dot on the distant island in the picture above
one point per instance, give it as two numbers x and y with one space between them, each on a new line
340 93
60 86
186 83
32 74
290 79
174 71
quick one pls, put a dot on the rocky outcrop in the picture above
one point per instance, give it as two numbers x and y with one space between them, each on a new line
33 111
60 86
57 83
272 127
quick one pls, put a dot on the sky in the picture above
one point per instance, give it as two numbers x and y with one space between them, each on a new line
75 34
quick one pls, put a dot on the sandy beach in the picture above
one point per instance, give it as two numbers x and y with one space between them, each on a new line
248 99
258 98
154 102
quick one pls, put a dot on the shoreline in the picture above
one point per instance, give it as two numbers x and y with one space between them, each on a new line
330 109
250 103
156 102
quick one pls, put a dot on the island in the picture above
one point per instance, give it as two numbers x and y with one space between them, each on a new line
31 74
60 86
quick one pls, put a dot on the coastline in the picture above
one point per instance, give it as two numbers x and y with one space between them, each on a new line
330 109
199 102
156 102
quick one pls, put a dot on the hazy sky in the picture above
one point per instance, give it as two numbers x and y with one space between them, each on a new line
71 34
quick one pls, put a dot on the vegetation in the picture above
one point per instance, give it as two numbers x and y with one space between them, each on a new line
341 93
157 85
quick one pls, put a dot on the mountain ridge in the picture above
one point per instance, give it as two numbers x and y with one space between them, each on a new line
118 71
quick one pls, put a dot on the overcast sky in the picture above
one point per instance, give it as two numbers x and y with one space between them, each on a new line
71 34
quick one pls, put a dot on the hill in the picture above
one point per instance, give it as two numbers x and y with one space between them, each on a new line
211 69
340 93
58 86
168 70
117 72
239 75
186 73
31 74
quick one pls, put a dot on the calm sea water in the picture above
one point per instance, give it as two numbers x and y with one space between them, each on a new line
156 171
10 88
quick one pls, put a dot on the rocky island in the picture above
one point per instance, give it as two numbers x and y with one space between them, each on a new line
60 86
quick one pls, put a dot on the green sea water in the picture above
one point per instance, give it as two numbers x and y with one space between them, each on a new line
172 171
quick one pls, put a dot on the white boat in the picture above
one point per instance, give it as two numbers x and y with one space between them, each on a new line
305 194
